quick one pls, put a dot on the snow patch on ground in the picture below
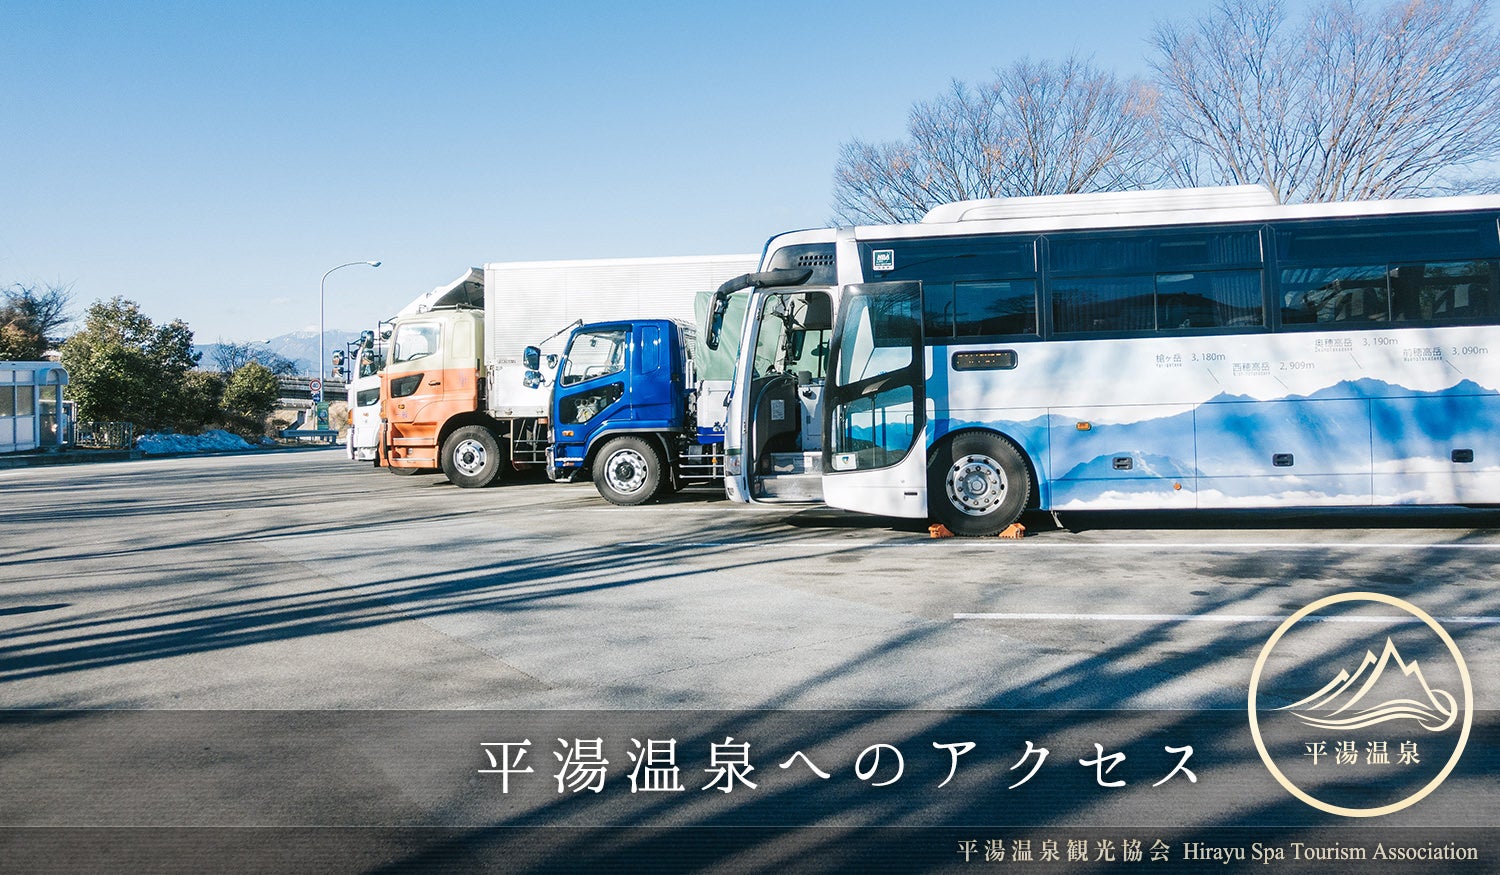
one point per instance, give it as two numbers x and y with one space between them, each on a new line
208 442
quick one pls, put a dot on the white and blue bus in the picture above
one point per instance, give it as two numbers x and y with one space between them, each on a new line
1202 348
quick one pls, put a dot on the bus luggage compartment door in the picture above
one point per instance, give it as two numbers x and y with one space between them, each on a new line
1284 453
1138 456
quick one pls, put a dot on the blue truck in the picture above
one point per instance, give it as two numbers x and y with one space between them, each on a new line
631 409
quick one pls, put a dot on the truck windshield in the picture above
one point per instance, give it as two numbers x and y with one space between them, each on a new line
594 354
413 342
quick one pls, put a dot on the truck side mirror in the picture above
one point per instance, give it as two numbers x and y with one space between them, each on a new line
532 358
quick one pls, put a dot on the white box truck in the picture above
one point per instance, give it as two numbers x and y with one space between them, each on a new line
455 393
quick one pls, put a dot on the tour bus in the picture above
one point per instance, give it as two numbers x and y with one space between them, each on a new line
1199 348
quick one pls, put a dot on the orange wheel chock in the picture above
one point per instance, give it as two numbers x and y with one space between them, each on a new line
1013 532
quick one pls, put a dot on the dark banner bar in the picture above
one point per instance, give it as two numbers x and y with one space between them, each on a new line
679 790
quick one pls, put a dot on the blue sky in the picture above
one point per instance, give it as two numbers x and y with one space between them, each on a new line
212 160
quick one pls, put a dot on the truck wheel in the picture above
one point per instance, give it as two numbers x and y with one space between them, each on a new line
471 457
977 484
628 471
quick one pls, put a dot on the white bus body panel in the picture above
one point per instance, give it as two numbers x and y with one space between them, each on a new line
1201 420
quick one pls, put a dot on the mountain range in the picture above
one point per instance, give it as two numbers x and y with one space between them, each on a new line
301 347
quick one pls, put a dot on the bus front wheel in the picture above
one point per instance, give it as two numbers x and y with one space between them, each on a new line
977 484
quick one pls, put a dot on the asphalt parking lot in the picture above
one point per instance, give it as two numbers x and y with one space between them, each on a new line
302 585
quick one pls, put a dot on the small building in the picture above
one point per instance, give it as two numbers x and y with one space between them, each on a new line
32 413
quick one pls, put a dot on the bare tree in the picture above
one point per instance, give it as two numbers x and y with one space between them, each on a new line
1352 103
1037 128
230 357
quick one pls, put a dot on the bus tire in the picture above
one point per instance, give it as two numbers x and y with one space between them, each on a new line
628 471
977 484
471 457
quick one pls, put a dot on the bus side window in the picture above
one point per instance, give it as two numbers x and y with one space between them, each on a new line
1335 294
1444 292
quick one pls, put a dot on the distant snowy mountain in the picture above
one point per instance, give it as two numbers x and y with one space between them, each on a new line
299 346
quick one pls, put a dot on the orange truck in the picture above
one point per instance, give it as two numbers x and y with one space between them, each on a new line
455 392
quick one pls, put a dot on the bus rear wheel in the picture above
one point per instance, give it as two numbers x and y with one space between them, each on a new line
977 484
628 471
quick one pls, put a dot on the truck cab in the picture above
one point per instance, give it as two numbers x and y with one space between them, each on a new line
363 439
430 381
624 410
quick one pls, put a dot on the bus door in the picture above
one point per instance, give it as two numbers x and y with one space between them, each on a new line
774 432
874 415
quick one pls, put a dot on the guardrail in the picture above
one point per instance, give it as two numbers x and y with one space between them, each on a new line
104 435
300 389
315 435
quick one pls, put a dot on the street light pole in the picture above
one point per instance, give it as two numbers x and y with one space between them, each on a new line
322 359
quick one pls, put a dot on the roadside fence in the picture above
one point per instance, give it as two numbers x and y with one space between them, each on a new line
104 435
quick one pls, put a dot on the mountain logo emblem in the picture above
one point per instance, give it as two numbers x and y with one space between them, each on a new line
1381 690
1346 723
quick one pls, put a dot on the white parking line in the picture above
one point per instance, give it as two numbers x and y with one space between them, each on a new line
1261 545
780 542
1217 618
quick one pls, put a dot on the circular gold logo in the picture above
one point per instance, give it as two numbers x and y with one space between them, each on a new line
1356 715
